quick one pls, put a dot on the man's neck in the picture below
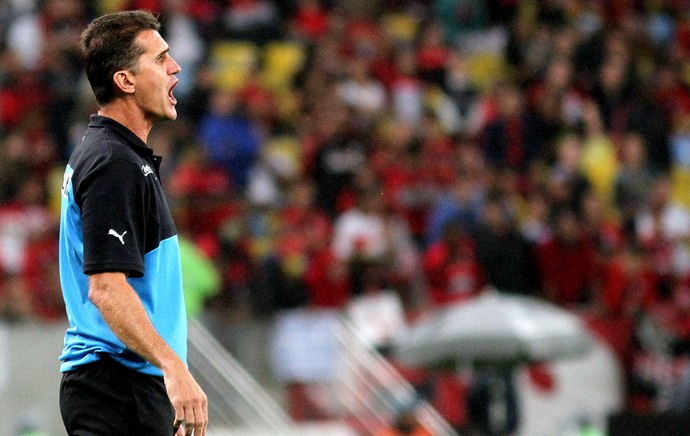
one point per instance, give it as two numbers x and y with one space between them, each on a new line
129 116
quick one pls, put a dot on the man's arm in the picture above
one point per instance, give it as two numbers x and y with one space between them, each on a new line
122 310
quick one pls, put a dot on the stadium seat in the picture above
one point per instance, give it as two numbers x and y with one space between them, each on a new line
281 61
400 27
233 62
485 68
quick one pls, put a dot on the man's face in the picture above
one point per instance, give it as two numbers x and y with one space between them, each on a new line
155 78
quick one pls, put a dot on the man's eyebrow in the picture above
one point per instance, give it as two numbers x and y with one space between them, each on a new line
161 54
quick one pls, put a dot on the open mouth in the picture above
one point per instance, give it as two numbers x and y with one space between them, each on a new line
171 97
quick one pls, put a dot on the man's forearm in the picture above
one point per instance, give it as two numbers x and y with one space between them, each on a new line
122 310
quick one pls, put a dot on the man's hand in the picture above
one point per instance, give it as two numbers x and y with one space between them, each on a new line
188 400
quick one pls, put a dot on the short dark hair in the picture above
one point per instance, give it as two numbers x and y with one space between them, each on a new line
108 46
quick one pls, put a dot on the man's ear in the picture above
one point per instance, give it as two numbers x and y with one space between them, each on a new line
124 80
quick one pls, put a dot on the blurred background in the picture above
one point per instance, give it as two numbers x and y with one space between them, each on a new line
371 163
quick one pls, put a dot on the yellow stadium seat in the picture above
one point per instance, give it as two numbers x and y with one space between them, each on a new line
685 73
485 68
680 180
233 62
108 6
281 61
401 27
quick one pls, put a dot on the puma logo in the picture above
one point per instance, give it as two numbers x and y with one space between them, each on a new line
114 233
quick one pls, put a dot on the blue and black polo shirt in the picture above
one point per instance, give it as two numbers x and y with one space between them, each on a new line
114 217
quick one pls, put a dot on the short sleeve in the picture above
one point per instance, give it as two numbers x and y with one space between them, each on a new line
113 210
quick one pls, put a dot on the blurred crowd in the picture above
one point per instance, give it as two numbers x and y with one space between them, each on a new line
330 149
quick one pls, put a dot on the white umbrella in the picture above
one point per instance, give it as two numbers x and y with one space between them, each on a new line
493 328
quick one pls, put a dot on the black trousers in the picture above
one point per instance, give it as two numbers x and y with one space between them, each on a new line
105 398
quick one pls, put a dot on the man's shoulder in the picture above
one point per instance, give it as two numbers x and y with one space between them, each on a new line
103 156
100 146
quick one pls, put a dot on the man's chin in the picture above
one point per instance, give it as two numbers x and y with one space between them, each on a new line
170 115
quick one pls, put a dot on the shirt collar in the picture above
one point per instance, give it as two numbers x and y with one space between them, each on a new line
133 140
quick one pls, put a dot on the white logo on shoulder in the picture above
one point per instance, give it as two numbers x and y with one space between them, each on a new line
65 184
112 232
146 170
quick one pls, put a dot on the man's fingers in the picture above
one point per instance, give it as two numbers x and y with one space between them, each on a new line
179 431
201 421
179 416
188 421
196 422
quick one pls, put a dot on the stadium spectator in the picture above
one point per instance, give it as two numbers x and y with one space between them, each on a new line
599 160
375 241
22 219
341 154
361 91
299 231
633 182
513 139
566 184
406 88
451 270
200 193
462 204
310 21
253 20
229 137
505 256
567 262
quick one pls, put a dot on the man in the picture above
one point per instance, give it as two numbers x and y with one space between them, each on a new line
124 357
